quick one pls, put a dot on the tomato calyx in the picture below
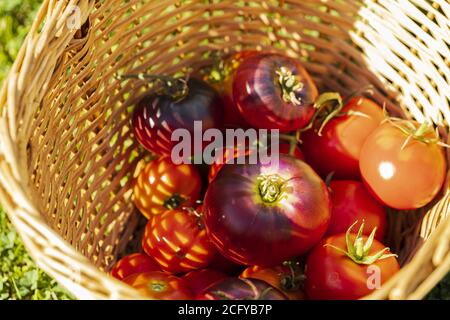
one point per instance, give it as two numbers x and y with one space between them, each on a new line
423 133
290 85
156 286
173 202
270 187
175 88
294 281
358 251
198 216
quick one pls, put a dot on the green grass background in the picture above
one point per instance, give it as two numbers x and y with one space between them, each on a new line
20 278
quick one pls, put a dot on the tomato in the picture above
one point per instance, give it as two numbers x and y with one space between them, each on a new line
225 265
162 185
241 289
156 117
178 241
403 164
160 286
273 91
264 214
288 280
132 264
284 148
347 267
337 149
221 78
352 202
200 280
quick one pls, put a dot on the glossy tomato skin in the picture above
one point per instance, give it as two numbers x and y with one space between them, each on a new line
232 117
178 242
403 179
132 264
353 202
338 148
241 289
157 117
331 275
200 280
279 277
259 96
284 148
158 285
163 185
252 231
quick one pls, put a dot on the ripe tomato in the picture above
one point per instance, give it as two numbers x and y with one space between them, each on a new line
160 286
352 202
225 265
338 147
178 241
288 280
284 148
241 289
347 267
200 280
403 173
156 117
273 91
162 185
132 264
264 214
221 78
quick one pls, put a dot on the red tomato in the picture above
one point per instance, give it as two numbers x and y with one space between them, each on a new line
273 91
200 280
132 264
340 269
221 78
403 174
241 289
338 148
156 116
288 281
284 148
264 214
160 286
225 265
352 202
178 242
162 185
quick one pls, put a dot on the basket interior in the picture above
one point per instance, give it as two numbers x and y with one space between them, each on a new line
82 154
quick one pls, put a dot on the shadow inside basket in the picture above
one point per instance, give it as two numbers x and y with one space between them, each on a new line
82 152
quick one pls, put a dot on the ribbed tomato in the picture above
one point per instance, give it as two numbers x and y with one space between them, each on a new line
178 242
274 91
264 214
163 185
156 117
337 147
200 280
132 264
158 285
241 289
403 164
352 202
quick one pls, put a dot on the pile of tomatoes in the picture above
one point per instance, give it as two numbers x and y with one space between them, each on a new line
310 226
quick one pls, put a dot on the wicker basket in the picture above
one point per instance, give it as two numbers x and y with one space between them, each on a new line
67 152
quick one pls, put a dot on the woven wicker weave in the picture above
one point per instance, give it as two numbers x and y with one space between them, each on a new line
66 149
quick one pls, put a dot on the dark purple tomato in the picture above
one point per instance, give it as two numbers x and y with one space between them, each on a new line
273 91
156 117
264 214
241 289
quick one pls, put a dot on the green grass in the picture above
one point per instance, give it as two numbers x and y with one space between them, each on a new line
20 278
